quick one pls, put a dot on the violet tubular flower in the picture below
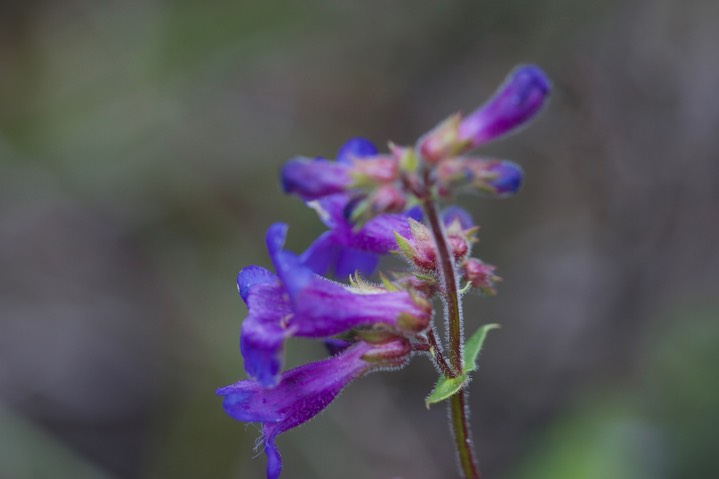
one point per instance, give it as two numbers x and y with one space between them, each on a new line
357 165
493 178
371 204
297 302
519 99
345 249
305 391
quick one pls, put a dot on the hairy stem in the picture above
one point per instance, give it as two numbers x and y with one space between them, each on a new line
439 357
457 403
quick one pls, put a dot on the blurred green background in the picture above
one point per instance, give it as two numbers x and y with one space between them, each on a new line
140 143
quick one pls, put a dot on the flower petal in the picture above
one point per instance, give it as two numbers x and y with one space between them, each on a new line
264 332
377 235
356 148
274 460
314 178
321 254
517 101
352 260
455 213
508 179
251 276
305 391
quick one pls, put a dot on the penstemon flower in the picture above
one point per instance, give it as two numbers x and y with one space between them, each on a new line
376 204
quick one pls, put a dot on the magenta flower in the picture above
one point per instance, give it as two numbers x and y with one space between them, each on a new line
304 391
296 302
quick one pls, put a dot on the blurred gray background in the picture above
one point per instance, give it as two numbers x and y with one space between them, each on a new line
140 143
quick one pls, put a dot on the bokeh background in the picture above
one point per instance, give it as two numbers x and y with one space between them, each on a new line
140 143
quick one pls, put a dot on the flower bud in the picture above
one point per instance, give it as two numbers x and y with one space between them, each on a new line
480 275
515 103
497 178
393 352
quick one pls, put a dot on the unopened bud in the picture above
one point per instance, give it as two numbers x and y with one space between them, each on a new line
480 275
514 104
393 352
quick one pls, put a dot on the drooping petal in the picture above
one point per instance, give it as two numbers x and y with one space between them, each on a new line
253 275
305 391
517 101
292 273
274 460
264 332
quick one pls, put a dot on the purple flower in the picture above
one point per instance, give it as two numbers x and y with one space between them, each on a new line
498 178
314 178
513 105
305 391
297 302
358 164
506 180
516 102
455 213
345 249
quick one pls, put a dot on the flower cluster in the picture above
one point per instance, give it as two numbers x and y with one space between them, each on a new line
373 204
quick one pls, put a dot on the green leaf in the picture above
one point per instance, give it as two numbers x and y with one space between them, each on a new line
448 387
404 246
474 345
445 388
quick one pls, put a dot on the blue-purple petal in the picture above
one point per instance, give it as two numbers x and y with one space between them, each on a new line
253 275
454 213
377 235
508 180
312 179
517 101
274 460
351 260
294 276
321 254
335 346
264 332
356 148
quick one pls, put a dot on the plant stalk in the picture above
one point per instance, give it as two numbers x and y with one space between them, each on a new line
458 402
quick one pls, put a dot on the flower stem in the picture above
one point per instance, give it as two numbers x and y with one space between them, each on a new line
457 403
